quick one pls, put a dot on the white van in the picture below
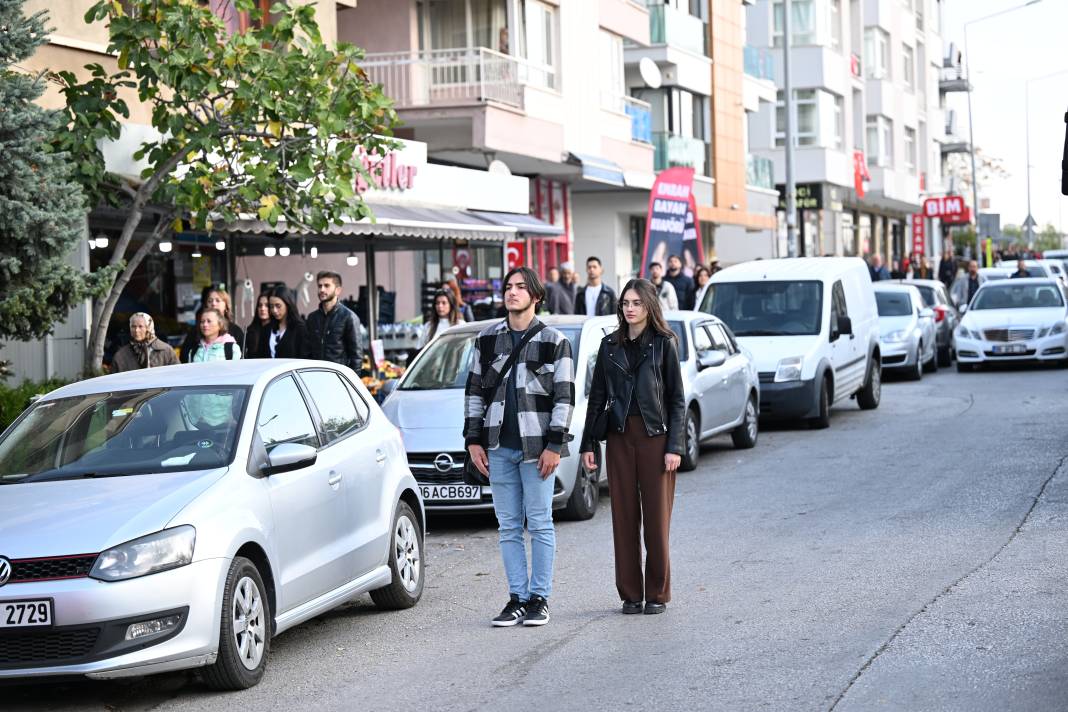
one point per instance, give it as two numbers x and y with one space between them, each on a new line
812 327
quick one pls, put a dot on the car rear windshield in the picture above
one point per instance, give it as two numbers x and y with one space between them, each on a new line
1006 295
893 303
447 360
928 294
137 432
768 308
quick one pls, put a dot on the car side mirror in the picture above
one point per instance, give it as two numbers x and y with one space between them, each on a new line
711 359
289 456
845 326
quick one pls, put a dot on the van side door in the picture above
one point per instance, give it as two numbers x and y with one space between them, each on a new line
847 359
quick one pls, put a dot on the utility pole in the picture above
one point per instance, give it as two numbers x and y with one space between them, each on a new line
788 105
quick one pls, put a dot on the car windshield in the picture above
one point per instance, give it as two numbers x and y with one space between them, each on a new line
137 432
1018 296
768 308
448 358
893 303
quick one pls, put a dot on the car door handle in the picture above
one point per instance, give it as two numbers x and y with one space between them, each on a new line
380 457
335 478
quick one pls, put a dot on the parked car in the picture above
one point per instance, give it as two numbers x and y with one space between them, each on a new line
812 328
959 290
936 297
1014 320
907 334
1035 268
182 517
427 405
721 382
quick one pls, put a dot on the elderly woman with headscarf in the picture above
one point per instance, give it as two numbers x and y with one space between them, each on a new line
144 349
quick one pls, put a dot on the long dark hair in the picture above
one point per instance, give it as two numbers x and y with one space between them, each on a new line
647 293
455 317
289 298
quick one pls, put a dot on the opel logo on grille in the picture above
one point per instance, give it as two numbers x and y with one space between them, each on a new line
444 462
5 570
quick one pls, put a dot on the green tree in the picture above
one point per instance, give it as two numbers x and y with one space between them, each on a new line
42 209
268 122
1049 239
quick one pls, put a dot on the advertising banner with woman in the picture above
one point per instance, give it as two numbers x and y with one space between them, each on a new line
671 225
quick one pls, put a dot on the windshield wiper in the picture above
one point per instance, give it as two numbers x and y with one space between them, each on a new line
58 475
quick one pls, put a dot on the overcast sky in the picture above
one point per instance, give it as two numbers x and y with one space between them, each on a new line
1007 51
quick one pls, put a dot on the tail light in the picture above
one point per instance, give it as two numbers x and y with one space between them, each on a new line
939 312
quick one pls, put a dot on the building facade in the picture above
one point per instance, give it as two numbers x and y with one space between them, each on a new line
869 120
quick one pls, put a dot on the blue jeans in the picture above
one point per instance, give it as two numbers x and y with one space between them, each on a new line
520 493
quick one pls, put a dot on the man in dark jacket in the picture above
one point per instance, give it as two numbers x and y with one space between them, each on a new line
595 294
684 287
333 330
947 269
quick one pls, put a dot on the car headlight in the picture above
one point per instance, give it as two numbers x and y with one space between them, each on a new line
965 334
1057 328
150 554
789 369
896 336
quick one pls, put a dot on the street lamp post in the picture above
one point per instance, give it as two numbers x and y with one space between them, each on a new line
971 129
788 106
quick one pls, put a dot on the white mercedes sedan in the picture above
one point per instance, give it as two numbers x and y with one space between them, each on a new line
181 517
1014 320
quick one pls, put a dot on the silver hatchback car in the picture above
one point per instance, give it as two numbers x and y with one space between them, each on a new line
181 517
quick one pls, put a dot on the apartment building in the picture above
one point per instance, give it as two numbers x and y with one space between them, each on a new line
869 122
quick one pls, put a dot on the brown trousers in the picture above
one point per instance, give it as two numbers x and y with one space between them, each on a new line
641 491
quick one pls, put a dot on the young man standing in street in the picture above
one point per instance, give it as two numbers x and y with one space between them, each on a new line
684 287
333 330
665 292
596 298
518 403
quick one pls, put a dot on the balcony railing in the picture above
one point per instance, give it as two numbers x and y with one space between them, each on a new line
470 74
759 172
680 29
641 119
759 63
672 150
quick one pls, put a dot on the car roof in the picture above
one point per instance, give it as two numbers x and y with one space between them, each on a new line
920 282
892 287
688 315
228 373
788 268
1021 281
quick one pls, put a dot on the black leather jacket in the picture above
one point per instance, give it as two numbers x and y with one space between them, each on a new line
334 337
656 383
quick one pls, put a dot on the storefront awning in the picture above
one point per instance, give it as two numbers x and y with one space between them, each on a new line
398 221
523 224
597 169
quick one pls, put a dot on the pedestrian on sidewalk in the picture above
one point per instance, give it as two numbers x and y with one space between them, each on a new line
257 330
214 342
287 332
333 330
596 298
681 282
219 300
637 385
518 402
701 279
665 292
560 296
144 349
445 313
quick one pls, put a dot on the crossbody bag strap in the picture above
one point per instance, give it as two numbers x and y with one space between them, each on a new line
514 356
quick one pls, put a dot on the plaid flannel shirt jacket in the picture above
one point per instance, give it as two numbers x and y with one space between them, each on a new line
545 390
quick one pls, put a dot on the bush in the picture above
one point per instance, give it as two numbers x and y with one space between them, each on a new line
15 399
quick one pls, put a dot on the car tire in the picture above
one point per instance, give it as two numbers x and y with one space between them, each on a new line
243 654
932 365
823 420
916 372
945 357
691 451
745 435
585 495
869 396
405 561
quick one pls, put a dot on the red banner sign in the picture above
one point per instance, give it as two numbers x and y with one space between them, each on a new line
919 234
950 206
671 226
515 254
860 172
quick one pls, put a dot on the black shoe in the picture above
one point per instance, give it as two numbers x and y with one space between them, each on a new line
652 608
537 611
630 607
512 613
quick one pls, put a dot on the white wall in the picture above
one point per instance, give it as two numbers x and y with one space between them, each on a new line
602 227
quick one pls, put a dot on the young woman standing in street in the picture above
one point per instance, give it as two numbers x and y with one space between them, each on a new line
446 313
258 329
637 398
285 336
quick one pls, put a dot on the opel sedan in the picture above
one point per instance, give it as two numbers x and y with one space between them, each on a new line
182 517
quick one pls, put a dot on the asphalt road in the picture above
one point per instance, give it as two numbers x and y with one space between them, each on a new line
909 558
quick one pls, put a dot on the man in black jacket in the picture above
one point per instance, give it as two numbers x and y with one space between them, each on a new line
333 330
595 294
684 287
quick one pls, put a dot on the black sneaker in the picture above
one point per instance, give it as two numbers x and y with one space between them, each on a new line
512 613
537 611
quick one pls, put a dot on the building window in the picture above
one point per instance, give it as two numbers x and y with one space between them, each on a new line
541 42
802 22
835 21
910 149
880 131
613 87
919 14
876 53
839 122
908 66
807 131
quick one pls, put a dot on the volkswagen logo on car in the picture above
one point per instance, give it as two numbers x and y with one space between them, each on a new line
5 570
444 462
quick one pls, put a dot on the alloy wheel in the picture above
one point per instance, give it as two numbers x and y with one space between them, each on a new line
692 445
249 627
406 553
751 419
